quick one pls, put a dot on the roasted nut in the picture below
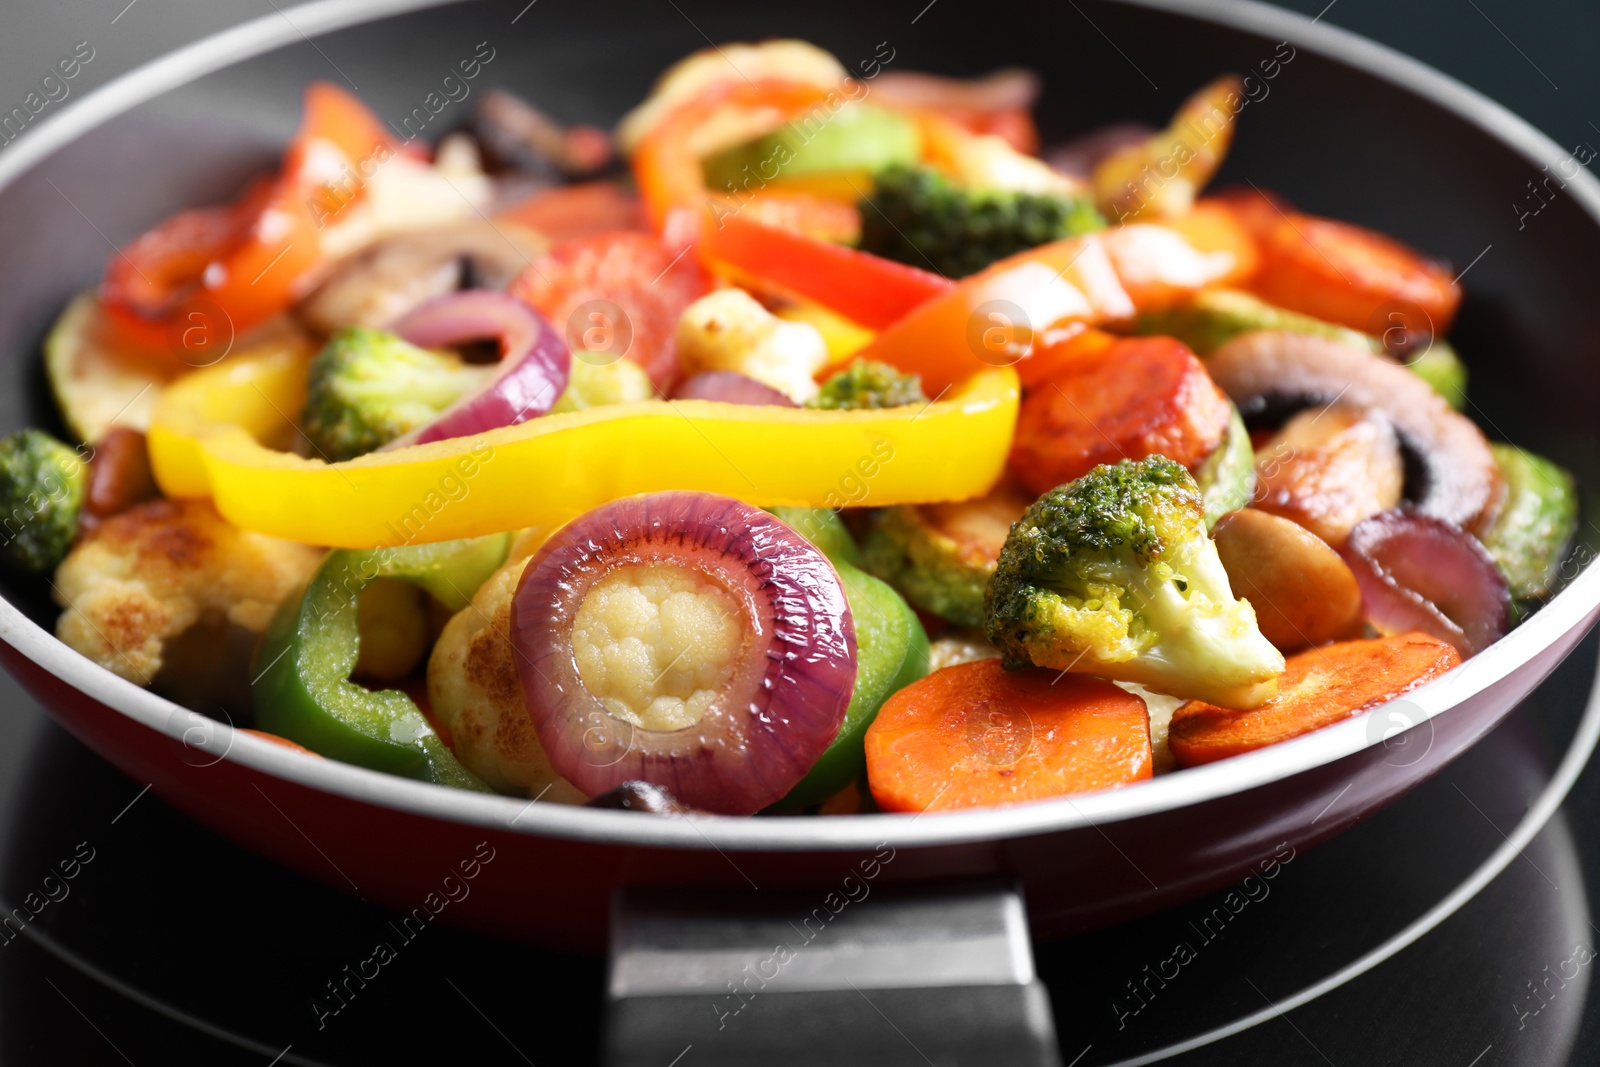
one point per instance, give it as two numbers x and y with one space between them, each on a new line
1302 591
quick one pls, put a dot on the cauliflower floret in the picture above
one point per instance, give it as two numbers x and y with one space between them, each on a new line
146 576
475 694
730 330
955 647
633 637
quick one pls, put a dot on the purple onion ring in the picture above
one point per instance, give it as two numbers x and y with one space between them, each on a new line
769 722
730 387
1418 572
531 376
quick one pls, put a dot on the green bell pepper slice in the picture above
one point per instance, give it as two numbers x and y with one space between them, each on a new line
303 689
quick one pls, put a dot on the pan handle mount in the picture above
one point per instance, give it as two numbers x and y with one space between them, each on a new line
914 976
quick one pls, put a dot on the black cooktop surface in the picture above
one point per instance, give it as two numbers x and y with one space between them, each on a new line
137 936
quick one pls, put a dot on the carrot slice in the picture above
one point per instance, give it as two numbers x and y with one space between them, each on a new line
1136 397
1319 687
284 741
976 735
1344 273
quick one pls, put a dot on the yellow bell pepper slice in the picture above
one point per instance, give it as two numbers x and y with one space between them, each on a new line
209 436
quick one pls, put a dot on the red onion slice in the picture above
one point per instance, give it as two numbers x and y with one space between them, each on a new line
1079 156
730 387
531 376
771 719
1418 572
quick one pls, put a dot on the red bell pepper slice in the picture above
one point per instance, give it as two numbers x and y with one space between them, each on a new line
246 258
867 289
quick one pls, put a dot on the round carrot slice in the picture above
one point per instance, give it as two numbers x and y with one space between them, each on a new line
1319 687
976 735
1346 274
616 294
284 741
1136 397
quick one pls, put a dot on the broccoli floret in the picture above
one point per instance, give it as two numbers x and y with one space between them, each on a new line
1113 574
42 485
866 384
367 387
918 216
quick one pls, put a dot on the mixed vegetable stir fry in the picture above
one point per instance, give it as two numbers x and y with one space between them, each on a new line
809 444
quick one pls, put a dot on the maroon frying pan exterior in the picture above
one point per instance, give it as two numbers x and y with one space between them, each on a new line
545 873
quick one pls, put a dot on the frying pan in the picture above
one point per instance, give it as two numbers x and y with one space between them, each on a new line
1345 128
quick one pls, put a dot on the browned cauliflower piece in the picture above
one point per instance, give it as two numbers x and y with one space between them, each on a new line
144 577
474 691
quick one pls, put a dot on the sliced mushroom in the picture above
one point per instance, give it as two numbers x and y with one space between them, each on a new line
520 136
1329 468
383 281
1450 472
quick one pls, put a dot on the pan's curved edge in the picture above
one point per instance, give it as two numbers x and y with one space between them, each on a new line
191 61
1521 836
1571 609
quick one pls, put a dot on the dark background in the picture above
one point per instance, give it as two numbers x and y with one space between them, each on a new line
176 947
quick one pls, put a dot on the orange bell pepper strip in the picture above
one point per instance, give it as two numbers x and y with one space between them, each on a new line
337 119
246 258
667 162
1066 349
996 317
864 288
1017 307
1165 262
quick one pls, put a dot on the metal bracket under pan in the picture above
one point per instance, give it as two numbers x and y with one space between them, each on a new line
837 976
